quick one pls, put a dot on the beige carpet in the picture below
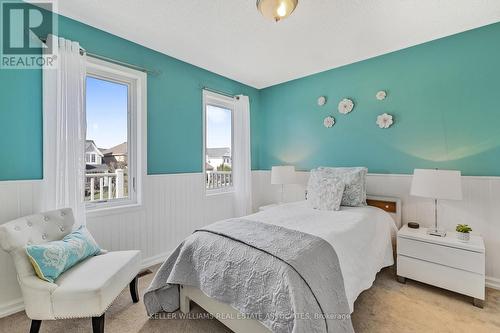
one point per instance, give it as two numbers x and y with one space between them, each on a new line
387 307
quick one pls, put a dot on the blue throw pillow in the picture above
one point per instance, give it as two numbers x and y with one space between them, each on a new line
53 258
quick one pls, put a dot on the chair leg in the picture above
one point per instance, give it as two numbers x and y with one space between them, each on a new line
133 290
35 326
98 324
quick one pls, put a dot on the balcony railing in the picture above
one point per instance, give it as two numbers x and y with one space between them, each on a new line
108 185
219 179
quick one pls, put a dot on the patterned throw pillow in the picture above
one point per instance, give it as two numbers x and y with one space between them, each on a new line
51 259
324 193
355 183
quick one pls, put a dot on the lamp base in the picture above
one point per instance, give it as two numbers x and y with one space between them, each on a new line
436 232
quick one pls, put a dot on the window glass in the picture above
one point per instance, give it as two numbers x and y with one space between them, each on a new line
107 172
218 150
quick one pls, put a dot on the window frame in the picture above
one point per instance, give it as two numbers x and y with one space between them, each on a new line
221 101
136 132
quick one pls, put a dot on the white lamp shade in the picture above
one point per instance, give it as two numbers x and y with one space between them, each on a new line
437 184
284 174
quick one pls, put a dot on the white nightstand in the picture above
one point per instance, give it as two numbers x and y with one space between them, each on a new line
263 208
444 262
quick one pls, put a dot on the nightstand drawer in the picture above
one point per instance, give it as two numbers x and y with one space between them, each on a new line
467 283
440 254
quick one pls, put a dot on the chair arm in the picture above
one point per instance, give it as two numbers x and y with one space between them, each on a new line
37 295
35 283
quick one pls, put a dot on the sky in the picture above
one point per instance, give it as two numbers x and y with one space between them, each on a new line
106 104
218 127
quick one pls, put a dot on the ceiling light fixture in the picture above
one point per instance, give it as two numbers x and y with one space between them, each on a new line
276 10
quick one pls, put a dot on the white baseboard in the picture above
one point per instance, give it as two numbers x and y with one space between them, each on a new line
11 307
17 305
492 283
157 259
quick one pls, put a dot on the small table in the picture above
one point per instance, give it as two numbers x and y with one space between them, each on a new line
445 262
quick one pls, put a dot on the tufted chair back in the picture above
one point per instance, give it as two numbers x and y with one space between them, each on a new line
33 229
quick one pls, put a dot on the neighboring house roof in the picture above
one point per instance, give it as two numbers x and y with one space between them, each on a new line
218 152
118 150
90 147
96 168
208 167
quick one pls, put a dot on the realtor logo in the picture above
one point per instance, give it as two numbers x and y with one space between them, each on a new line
23 25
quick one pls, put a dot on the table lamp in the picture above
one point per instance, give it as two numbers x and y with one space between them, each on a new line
436 184
281 175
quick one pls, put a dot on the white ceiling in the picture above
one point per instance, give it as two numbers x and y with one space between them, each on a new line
231 38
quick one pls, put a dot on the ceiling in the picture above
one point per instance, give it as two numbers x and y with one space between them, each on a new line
231 38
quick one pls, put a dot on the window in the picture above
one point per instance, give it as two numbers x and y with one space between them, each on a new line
115 107
218 127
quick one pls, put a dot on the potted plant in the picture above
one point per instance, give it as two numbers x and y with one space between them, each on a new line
463 232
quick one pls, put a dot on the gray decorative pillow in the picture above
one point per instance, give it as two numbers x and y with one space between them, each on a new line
355 183
324 193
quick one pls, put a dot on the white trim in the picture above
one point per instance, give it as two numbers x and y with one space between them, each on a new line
219 191
493 283
155 260
174 174
137 134
26 181
393 174
114 210
11 307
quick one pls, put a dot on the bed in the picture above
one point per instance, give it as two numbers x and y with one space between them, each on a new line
360 236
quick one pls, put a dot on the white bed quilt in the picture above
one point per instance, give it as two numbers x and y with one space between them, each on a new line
361 236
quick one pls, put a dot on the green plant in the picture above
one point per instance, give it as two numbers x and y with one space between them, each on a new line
463 228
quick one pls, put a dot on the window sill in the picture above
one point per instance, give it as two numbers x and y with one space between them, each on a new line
116 210
218 192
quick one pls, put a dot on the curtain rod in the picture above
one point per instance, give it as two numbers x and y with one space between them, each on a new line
118 62
220 92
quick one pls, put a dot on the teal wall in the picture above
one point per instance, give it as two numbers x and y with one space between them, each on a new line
444 95
174 107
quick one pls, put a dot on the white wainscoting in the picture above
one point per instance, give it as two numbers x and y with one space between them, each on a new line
17 198
480 207
175 205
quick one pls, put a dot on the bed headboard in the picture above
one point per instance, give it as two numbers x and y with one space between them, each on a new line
392 205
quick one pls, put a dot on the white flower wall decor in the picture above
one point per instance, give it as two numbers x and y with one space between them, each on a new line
346 105
384 120
381 95
321 100
329 121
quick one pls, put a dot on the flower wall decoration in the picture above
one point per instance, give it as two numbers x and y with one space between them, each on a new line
329 121
321 100
381 95
384 120
346 105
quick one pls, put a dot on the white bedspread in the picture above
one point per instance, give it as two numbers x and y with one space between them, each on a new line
361 236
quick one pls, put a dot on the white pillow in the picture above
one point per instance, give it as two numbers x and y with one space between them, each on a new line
324 193
354 180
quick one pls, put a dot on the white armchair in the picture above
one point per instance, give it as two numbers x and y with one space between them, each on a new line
85 290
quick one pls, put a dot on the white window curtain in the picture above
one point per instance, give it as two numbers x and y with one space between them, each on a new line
242 171
64 129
